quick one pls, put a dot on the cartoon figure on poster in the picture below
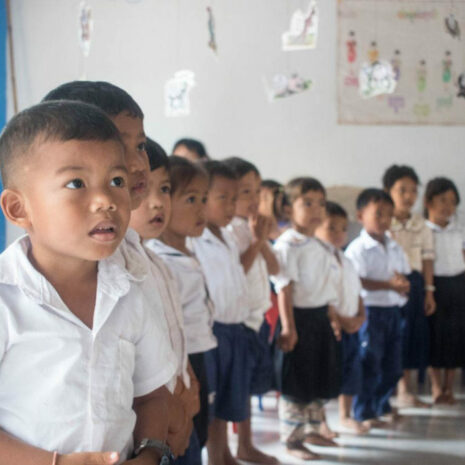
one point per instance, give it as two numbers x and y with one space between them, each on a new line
86 26
211 30
351 48
461 85
376 79
177 90
285 86
447 68
303 29
452 26
421 76
396 64
373 53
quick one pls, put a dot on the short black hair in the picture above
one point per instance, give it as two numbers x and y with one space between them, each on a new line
157 155
373 195
111 99
193 145
271 184
396 172
183 171
218 169
241 167
297 187
51 121
334 209
438 186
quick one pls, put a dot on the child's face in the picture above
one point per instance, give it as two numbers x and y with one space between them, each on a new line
404 194
132 133
442 207
76 200
153 214
221 202
188 209
248 195
376 218
184 152
333 230
308 211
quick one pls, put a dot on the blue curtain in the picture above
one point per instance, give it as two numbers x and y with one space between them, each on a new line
3 77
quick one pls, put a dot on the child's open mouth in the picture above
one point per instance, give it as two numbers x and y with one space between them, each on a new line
104 232
158 219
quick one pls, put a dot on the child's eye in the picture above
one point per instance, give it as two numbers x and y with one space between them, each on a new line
75 184
204 200
191 199
166 189
142 146
118 181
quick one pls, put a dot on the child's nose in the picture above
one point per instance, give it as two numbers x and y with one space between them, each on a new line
103 201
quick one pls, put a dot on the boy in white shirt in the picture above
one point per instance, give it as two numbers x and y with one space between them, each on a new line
128 117
251 232
91 373
350 311
382 265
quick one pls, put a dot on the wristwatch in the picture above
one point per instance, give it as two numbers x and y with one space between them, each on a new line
166 454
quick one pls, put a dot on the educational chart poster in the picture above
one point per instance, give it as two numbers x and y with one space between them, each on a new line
401 62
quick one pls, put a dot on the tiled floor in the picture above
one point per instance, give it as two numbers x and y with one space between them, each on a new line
425 437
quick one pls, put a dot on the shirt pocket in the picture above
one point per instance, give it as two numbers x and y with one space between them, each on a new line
127 362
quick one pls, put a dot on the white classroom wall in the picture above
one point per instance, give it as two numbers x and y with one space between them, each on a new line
139 44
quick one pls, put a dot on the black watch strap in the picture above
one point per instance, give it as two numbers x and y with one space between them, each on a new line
147 443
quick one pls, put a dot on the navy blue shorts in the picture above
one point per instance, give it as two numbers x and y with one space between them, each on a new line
229 372
351 364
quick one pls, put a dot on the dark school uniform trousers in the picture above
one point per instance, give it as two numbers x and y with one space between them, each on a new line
381 354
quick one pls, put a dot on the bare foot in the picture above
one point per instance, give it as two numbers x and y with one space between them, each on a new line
392 417
440 399
319 440
408 400
297 449
326 431
228 458
449 398
375 423
253 455
356 426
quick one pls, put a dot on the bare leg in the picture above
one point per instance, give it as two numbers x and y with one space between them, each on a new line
217 442
345 418
298 450
325 430
405 397
436 385
246 450
449 386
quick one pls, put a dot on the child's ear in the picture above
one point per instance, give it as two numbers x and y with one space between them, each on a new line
359 216
14 208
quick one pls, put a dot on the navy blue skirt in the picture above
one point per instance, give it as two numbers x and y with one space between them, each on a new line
447 324
313 369
414 326
351 364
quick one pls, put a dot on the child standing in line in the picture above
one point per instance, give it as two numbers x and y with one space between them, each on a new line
258 260
414 236
351 313
189 189
230 365
382 265
448 323
307 287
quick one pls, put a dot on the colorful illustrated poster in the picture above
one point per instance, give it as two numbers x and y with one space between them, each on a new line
421 41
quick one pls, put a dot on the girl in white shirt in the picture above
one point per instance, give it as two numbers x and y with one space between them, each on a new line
307 287
189 189
448 323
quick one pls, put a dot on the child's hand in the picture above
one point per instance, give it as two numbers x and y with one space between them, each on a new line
260 227
336 327
179 440
430 303
287 340
88 458
400 284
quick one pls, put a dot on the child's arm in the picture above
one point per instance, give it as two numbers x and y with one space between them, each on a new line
397 283
288 337
259 227
430 303
353 324
15 452
334 321
272 264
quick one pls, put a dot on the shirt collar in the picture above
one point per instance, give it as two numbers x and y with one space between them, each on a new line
371 243
161 248
414 223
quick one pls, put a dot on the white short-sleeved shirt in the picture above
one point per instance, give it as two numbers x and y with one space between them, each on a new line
258 280
162 291
415 238
449 243
197 307
311 267
64 386
350 287
225 276
378 262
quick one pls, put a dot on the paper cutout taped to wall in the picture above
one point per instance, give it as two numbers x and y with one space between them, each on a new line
86 25
177 89
452 26
303 29
211 30
282 86
376 78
